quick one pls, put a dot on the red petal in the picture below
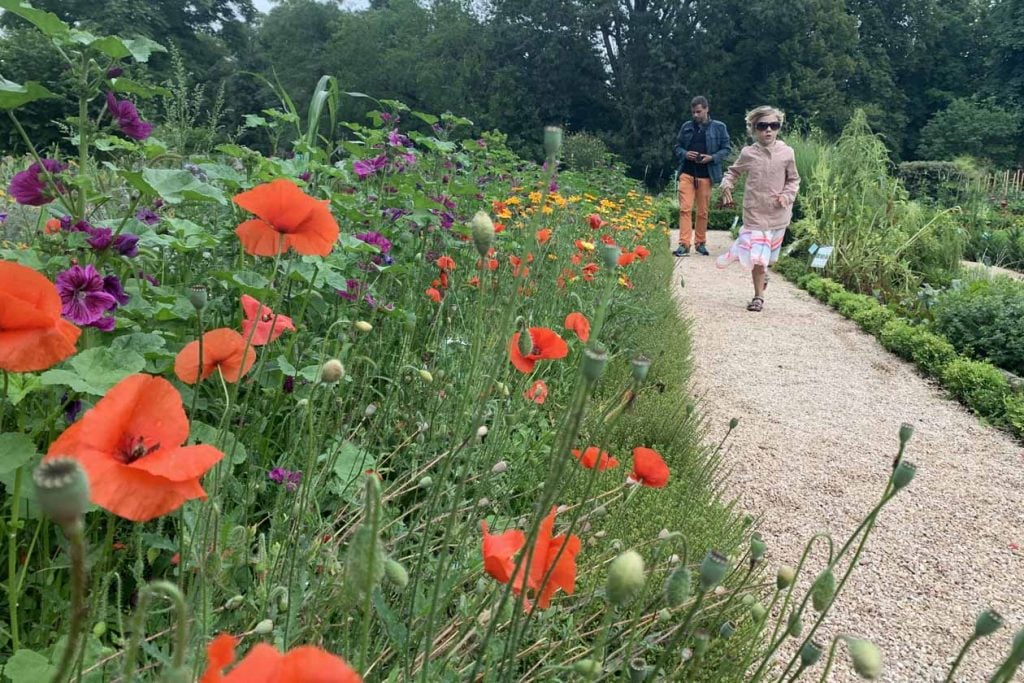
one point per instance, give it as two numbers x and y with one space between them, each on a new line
259 238
498 550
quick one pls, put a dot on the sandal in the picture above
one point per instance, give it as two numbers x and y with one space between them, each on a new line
756 304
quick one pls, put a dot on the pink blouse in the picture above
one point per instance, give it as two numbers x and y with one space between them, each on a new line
771 172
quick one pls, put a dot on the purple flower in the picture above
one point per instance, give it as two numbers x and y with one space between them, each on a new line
31 186
396 139
386 117
394 213
112 286
104 324
114 72
127 244
305 176
353 288
376 239
364 168
100 238
404 161
83 297
289 479
288 386
127 117
148 278
147 215
72 409
553 187
199 173
437 128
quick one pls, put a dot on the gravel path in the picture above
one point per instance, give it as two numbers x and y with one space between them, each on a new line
820 403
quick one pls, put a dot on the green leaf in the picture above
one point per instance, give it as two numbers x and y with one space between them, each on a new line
50 24
14 95
15 451
254 121
286 367
429 119
27 666
141 47
21 385
127 85
96 370
173 185
207 434
349 463
141 343
111 46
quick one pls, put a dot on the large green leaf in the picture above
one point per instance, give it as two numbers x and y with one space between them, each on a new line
173 185
28 666
15 451
141 47
47 22
207 434
127 85
96 370
14 95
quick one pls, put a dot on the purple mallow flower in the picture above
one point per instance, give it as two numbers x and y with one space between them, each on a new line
31 186
364 168
353 288
396 139
100 238
147 215
376 239
127 117
72 409
114 72
112 286
394 213
127 244
83 295
290 480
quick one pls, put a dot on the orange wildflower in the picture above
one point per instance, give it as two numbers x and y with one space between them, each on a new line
33 336
592 457
538 392
589 271
641 252
433 295
446 263
608 239
576 259
543 236
52 226
578 323
626 257
625 282
223 349
499 227
130 446
595 221
266 664
498 550
649 468
547 345
269 325
474 281
286 218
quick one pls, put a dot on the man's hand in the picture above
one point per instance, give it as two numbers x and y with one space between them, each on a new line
705 158
692 156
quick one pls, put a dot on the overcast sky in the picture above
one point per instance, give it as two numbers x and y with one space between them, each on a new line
264 5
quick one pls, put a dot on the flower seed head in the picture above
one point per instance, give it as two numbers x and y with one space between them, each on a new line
595 358
700 642
734 423
610 255
726 629
626 578
906 431
757 547
987 623
712 570
198 296
810 653
332 371
867 658
785 577
640 365
903 474
62 489
552 142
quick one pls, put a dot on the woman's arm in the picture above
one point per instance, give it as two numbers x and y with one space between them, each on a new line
792 185
734 172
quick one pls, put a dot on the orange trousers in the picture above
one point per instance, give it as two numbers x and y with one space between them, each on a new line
688 191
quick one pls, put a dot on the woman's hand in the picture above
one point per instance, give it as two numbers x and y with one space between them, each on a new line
782 200
725 199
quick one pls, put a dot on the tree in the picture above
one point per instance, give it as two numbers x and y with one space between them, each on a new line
1006 57
974 127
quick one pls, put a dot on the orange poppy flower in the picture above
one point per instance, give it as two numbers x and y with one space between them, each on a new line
446 263
266 664
624 281
595 221
286 218
52 226
547 345
589 271
498 550
545 550
593 457
474 281
584 246
543 236
223 349
608 239
499 227
489 264
433 295
626 257
33 336
648 468
538 392
269 325
130 446
578 323
641 252
576 259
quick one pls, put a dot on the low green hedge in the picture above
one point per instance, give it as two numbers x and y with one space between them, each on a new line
986 319
979 385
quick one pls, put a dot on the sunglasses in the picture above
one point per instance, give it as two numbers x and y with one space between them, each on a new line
766 125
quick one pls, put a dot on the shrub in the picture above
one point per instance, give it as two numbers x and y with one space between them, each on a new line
979 385
939 181
898 336
873 318
932 352
984 319
1015 412
583 152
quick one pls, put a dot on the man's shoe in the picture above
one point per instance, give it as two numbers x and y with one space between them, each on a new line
681 251
702 250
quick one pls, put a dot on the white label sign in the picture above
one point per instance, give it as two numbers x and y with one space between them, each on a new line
821 256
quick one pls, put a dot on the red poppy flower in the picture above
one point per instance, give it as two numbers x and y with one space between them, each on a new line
589 271
474 281
595 221
286 218
538 392
545 550
130 446
269 325
433 295
499 228
578 323
223 349
648 468
592 457
626 257
266 664
547 345
498 551
576 259
489 264
446 263
52 226
641 252
33 336
608 239
543 236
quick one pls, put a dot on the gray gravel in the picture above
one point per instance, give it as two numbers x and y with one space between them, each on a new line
820 403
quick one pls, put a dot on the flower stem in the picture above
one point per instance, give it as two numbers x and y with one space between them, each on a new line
75 532
960 657
13 589
828 662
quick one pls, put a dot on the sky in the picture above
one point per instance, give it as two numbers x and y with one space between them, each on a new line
265 5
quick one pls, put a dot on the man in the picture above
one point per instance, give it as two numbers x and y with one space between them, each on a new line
702 146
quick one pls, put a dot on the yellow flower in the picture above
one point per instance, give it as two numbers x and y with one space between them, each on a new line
535 197
512 201
552 257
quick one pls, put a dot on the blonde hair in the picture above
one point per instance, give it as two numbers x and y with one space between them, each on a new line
755 115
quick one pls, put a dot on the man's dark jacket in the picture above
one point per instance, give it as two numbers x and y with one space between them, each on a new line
718 147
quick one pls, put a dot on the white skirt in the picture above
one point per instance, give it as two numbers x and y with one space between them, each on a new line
754 248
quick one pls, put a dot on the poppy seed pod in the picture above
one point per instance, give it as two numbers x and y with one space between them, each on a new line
552 141
610 255
734 423
639 367
867 658
903 474
906 431
332 371
595 358
198 296
483 232
987 623
264 627
823 590
757 548
638 670
62 489
726 629
810 653
785 577
396 573
712 570
625 578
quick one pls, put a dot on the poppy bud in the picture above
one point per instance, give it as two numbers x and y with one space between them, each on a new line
867 658
426 376
664 615
906 431
264 627
588 668
234 603
481 431
483 232
364 561
396 573
700 642
758 611
595 357
748 600
727 629
363 326
785 577
552 141
99 629
499 467
62 489
198 296
525 339
610 255
733 423
823 590
625 578
640 365
903 474
810 653
370 410
794 627
712 570
987 623
757 548
425 483
332 371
